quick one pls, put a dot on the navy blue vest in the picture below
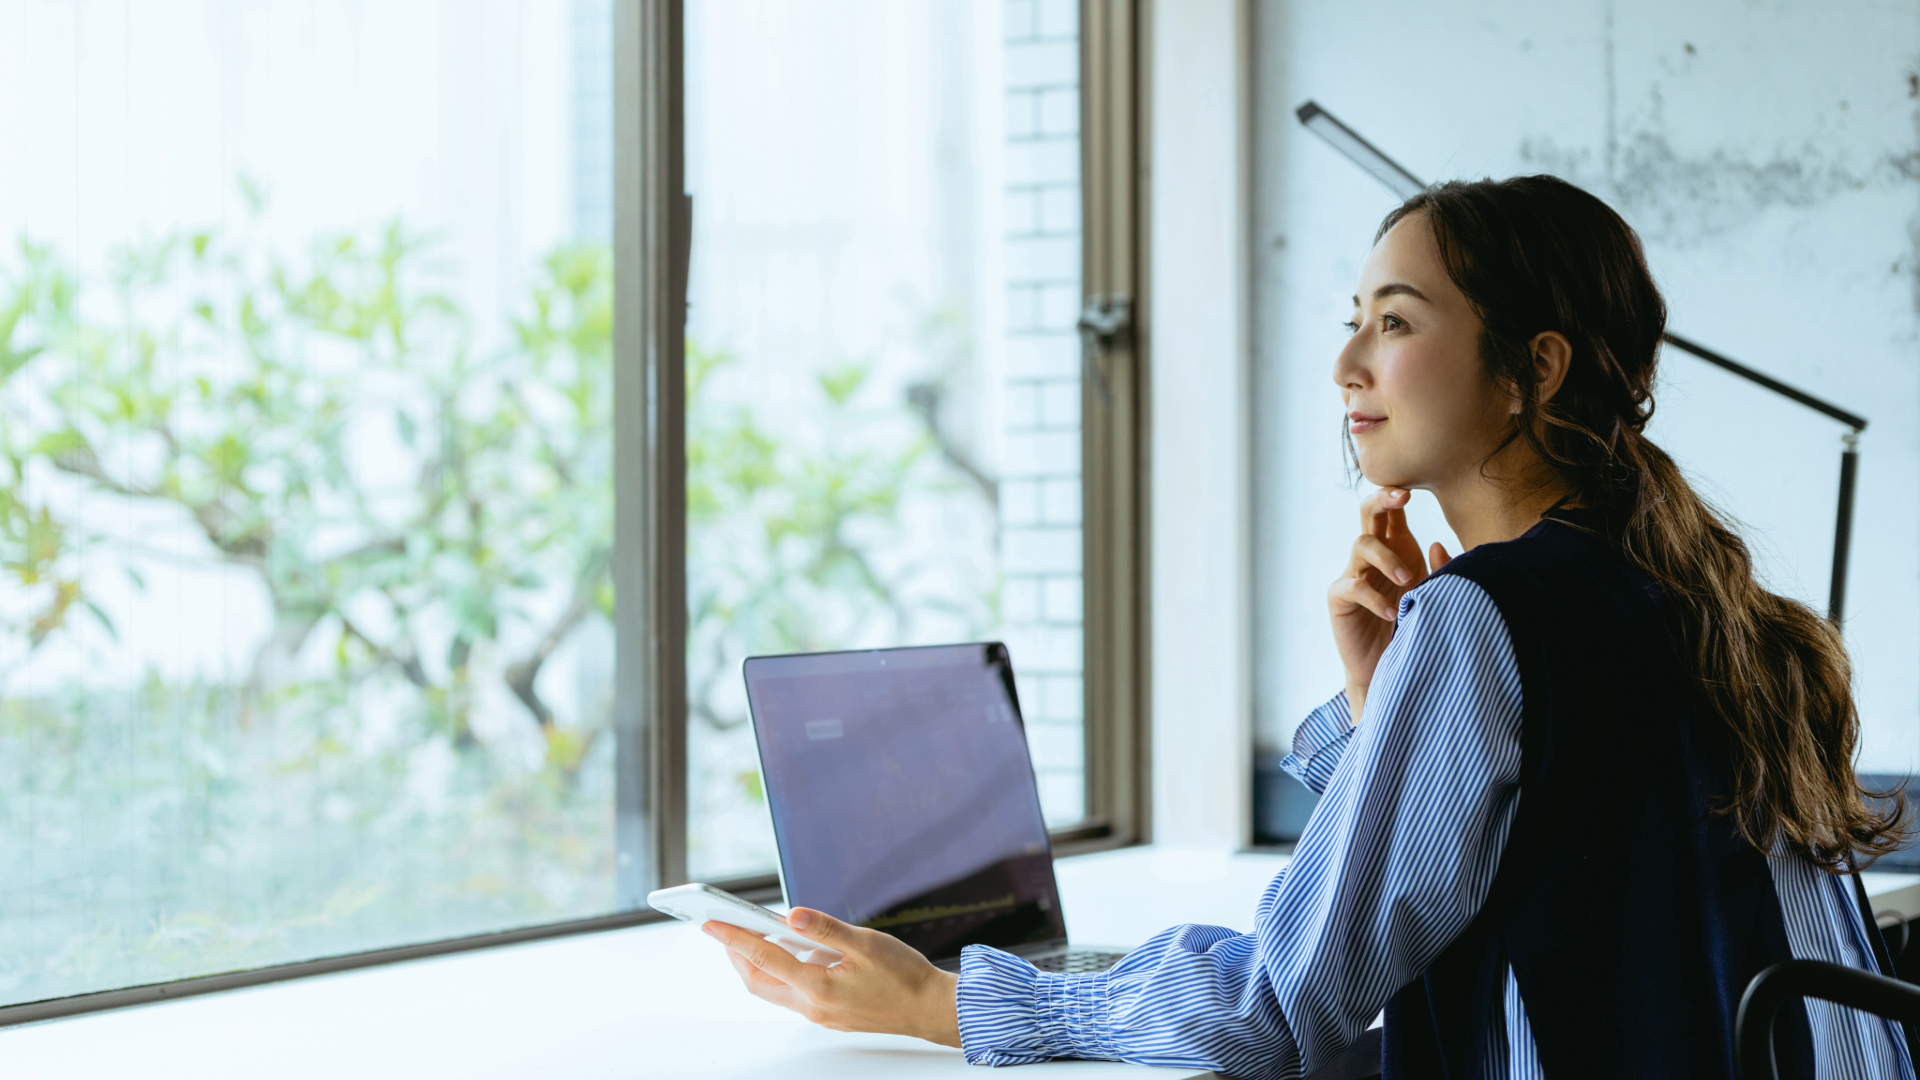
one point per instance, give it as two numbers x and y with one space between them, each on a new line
1632 914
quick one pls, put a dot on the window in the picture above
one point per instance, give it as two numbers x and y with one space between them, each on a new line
884 379
306 629
380 546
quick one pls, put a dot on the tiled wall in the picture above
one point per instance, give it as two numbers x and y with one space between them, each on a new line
1040 489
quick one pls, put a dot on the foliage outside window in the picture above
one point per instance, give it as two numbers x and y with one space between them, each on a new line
428 522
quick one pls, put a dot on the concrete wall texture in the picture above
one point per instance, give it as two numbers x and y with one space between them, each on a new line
1768 152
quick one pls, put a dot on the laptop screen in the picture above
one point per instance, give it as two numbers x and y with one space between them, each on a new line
903 798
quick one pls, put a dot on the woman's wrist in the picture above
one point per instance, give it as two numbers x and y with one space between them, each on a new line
939 1013
1356 703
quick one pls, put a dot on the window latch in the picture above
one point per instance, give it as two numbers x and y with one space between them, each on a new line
1105 322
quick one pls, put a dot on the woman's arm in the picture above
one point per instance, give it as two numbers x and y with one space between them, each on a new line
1364 601
1319 744
1395 862
1362 604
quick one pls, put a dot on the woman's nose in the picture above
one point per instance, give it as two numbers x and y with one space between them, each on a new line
1350 367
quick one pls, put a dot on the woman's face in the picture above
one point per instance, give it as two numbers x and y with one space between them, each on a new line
1419 406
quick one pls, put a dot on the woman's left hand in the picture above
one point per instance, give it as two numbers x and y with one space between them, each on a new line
883 985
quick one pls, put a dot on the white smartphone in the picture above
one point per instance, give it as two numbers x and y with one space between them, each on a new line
697 903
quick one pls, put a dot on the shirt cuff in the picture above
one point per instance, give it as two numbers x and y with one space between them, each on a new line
1319 744
1012 1013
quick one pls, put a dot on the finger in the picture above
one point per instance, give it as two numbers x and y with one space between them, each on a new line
1437 557
729 935
1396 526
764 986
1379 508
757 981
1373 551
1388 521
1357 593
1404 544
765 955
1375 507
823 928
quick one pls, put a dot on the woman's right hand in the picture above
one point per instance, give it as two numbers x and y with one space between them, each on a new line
1365 599
881 984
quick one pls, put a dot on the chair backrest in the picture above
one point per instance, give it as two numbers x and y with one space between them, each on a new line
1794 979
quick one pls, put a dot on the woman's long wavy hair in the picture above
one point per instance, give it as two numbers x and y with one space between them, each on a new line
1536 253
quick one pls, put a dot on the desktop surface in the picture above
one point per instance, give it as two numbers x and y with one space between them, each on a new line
652 1001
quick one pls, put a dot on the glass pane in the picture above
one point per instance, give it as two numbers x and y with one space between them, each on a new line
884 388
305 636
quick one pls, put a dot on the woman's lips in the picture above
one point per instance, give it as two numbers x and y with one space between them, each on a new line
1359 423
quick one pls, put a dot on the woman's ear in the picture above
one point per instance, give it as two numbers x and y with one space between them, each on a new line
1552 356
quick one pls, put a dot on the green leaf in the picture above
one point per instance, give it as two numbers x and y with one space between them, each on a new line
843 381
101 617
253 193
59 443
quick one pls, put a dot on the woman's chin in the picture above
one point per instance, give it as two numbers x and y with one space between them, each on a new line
1388 477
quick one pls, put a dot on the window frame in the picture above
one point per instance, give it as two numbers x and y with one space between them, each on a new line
1112 454
1113 430
652 246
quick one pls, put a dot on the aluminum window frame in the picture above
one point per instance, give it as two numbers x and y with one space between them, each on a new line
1114 419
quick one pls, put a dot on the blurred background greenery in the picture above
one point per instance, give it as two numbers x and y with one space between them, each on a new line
417 745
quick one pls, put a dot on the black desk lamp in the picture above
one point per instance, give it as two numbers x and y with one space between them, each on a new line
1406 185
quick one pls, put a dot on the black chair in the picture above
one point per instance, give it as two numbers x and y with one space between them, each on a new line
1794 979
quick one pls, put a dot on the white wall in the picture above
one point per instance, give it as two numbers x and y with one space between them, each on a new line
1202 740
1769 155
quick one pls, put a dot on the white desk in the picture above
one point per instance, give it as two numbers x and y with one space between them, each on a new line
653 1001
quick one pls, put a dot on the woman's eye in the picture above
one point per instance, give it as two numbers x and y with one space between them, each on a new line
1391 322
1352 327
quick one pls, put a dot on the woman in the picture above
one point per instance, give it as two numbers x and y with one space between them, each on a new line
1585 780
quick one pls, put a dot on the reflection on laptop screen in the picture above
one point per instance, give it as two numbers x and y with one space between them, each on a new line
902 795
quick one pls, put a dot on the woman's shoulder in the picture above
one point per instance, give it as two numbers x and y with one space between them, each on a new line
1452 643
1556 568
1449 602
1555 553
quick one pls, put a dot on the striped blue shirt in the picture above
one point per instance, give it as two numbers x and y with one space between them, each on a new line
1395 862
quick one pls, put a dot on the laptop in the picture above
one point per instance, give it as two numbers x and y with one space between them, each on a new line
903 799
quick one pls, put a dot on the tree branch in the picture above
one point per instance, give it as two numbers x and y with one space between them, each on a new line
557 460
409 665
212 516
521 674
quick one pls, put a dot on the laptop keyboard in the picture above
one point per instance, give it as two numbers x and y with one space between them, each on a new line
1078 962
